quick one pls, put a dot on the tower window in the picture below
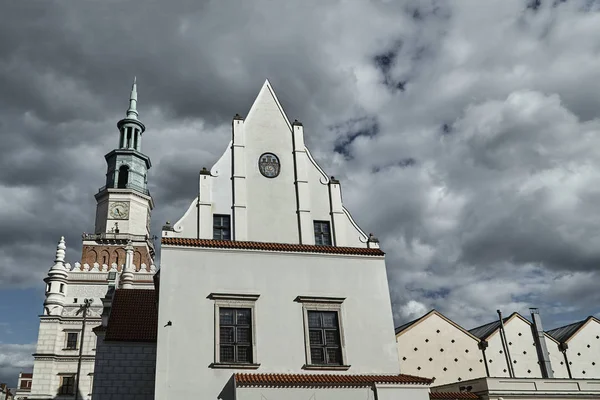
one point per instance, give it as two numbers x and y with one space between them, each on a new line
123 177
62 287
322 233
221 227
72 341
135 139
67 385
129 137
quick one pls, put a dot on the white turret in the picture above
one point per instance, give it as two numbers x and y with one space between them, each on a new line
56 282
128 269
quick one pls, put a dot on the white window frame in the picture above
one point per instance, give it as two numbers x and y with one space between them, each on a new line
67 331
234 300
312 303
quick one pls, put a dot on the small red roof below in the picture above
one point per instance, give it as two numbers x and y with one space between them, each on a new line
133 317
288 247
452 395
324 380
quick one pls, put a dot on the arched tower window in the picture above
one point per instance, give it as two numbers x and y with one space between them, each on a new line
123 177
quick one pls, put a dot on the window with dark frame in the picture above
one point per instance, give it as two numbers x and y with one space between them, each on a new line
67 385
72 340
235 335
221 227
324 338
322 233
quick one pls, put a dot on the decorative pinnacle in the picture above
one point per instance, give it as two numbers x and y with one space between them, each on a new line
132 111
60 251
59 261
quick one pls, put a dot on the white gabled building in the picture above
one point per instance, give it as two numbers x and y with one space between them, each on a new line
436 347
119 250
580 344
268 288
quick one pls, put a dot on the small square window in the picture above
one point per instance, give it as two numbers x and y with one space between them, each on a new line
322 233
71 341
67 385
221 227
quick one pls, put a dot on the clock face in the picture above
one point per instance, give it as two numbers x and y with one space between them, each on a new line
269 166
118 210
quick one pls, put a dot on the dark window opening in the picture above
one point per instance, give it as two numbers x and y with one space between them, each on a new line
221 227
62 288
123 177
72 340
67 385
324 338
235 335
322 233
129 137
121 137
135 139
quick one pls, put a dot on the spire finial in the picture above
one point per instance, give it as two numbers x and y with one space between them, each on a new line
132 111
59 260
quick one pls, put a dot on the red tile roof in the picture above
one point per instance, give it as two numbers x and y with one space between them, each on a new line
327 380
134 316
452 395
301 248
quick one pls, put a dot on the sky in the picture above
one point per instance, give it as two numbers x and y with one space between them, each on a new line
465 133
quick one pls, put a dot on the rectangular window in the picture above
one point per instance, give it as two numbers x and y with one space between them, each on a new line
235 330
221 227
323 333
324 337
235 335
67 385
62 288
322 233
72 340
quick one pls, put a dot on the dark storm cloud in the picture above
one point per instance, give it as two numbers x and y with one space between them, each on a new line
470 149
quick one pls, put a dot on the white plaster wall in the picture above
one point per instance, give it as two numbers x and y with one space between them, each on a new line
188 276
221 192
556 359
271 202
124 371
584 352
308 394
429 343
396 392
522 350
319 193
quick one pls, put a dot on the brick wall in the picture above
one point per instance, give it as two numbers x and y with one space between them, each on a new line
124 370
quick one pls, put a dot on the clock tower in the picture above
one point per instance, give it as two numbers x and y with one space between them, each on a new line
124 204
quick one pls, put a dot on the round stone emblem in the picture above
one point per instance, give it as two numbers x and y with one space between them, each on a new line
269 166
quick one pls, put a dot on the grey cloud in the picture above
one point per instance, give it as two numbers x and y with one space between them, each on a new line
496 108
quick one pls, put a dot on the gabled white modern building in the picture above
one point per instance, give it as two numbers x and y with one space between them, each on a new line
120 251
514 349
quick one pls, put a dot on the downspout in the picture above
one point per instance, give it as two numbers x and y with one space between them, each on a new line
511 373
563 347
482 346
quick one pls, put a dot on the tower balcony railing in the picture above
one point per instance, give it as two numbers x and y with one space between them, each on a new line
119 237
127 186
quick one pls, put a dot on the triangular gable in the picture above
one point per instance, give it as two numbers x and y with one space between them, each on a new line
406 327
494 326
267 90
565 333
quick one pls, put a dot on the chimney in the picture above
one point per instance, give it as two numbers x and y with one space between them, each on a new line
540 344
